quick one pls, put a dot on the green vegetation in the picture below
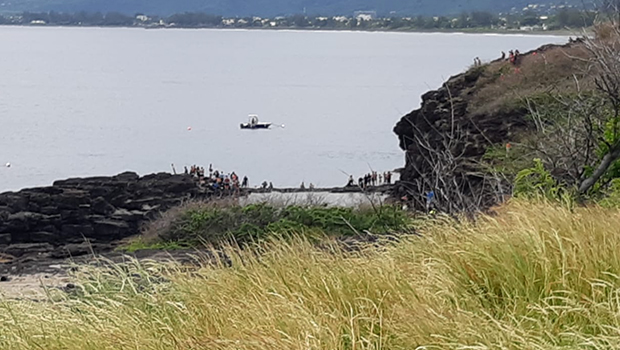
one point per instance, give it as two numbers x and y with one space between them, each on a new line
215 224
567 100
533 276
273 8
476 21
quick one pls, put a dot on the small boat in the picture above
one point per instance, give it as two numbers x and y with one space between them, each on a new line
253 123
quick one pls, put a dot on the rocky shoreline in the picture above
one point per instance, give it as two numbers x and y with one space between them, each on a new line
46 230
99 210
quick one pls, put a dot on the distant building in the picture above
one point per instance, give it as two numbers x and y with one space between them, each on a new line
142 18
365 15
38 22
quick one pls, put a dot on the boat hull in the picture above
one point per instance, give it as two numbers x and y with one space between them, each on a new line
255 126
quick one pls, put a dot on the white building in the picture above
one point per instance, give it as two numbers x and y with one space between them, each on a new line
363 17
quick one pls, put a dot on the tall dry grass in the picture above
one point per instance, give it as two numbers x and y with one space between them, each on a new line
532 276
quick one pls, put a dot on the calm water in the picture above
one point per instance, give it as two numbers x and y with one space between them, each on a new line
92 101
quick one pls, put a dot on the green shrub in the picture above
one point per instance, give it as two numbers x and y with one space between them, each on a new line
536 182
215 225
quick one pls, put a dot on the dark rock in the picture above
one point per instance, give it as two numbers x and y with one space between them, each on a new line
75 250
50 228
16 201
50 210
72 199
5 238
424 132
128 216
41 199
18 250
111 229
77 231
100 206
74 216
4 278
20 237
99 209
127 176
43 237
4 213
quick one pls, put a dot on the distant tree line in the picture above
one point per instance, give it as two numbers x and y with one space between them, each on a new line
568 17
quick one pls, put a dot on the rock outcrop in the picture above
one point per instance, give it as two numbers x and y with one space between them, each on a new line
98 209
480 113
443 142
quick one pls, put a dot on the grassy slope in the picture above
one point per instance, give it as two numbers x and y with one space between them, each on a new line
534 276
558 70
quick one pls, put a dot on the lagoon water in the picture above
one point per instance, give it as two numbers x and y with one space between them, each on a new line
99 101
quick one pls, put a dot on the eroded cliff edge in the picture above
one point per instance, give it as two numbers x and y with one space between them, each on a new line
480 111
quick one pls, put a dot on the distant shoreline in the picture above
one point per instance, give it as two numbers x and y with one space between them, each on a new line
564 32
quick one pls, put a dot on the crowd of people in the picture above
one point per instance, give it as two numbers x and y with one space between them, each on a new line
220 181
230 183
371 179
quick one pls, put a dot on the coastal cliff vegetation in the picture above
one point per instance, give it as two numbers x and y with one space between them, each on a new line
544 122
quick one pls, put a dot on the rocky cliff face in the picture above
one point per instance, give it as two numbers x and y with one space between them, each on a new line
444 142
97 209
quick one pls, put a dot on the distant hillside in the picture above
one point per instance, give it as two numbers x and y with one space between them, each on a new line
279 7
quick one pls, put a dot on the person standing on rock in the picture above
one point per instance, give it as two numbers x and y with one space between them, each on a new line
244 183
